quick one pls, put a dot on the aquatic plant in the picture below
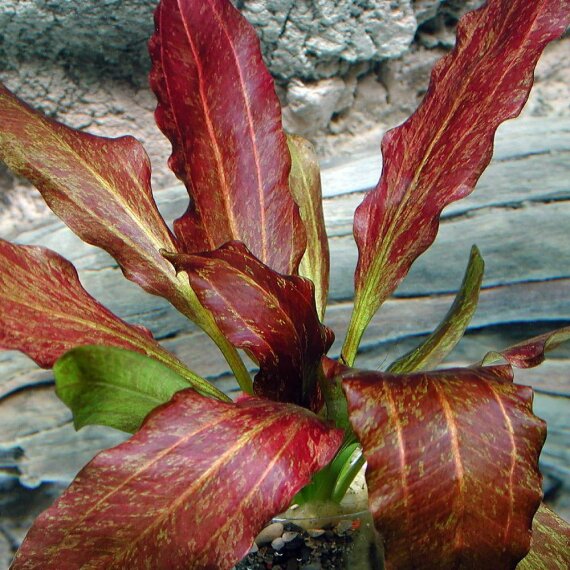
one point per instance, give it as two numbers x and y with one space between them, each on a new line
452 454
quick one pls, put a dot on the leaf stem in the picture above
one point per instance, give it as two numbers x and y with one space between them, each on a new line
196 312
352 340
200 384
346 476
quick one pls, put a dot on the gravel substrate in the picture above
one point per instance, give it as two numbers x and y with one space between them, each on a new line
348 544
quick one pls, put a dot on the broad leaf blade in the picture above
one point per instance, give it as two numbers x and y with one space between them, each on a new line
44 312
437 156
114 387
532 352
272 316
99 187
550 546
305 183
452 471
206 476
218 107
450 331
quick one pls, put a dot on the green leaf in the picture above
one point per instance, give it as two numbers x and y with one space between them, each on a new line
450 331
112 386
550 545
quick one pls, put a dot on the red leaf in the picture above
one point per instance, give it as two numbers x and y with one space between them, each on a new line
99 187
44 310
271 316
532 352
437 155
218 107
190 490
454 450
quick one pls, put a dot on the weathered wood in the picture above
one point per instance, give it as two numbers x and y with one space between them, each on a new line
519 216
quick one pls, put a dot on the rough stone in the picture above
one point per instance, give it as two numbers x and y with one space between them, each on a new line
312 105
314 39
270 533
345 68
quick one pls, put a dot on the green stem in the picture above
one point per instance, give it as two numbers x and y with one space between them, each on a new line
354 334
194 310
200 384
346 476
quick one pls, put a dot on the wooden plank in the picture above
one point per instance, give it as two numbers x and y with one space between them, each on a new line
38 441
515 140
519 215
512 182
401 318
530 243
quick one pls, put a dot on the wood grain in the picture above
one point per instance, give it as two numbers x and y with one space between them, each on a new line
519 216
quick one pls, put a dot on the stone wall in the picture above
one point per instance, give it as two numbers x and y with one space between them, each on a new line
341 66
345 70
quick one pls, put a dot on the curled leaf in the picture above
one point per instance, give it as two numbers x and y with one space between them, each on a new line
217 105
305 183
532 352
99 187
44 311
191 489
438 154
272 316
451 329
452 472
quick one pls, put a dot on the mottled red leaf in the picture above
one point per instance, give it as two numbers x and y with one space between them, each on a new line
437 155
305 183
99 187
190 490
452 473
217 105
272 316
550 546
44 312
532 352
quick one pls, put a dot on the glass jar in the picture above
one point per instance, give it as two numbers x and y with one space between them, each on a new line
315 537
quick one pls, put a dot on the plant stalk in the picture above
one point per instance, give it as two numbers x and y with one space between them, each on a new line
196 312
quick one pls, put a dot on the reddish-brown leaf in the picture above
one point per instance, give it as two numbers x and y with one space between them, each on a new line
99 187
452 472
271 316
532 352
44 311
190 490
217 105
437 155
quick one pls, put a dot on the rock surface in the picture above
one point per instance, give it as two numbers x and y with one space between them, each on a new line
346 70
